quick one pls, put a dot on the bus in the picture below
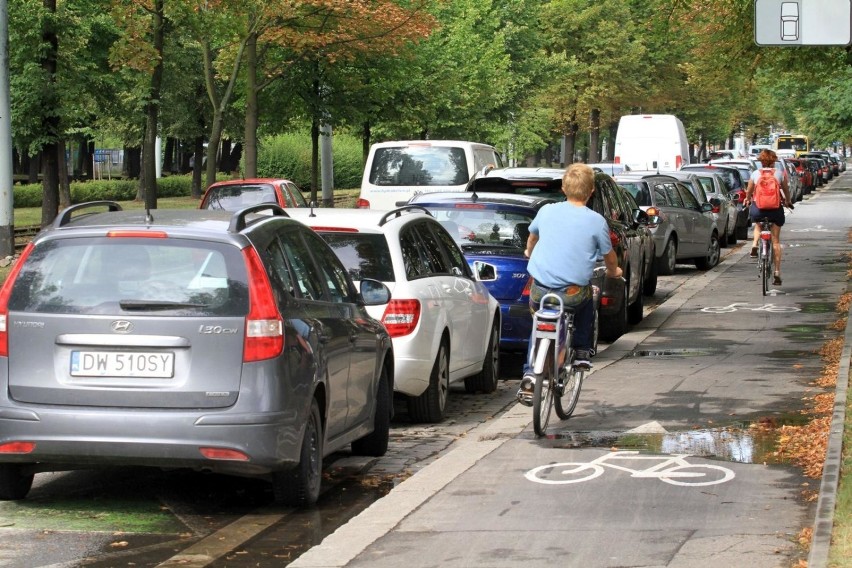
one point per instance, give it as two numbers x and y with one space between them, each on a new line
797 142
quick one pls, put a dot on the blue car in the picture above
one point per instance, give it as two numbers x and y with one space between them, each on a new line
492 230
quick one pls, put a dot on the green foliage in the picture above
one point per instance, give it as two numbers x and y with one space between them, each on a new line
289 156
30 195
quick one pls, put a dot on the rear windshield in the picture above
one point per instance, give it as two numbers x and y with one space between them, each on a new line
640 193
469 224
235 197
363 255
419 166
126 275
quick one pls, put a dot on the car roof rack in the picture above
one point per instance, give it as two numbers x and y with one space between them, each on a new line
238 220
400 210
64 216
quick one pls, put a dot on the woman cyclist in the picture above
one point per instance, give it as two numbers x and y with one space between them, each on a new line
767 158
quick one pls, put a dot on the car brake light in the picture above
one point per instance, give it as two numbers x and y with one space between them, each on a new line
614 238
607 301
617 159
264 329
138 234
319 229
401 317
223 454
678 162
17 448
5 292
715 209
469 206
362 204
527 286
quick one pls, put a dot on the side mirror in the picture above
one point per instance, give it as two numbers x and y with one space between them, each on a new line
374 293
706 207
484 272
640 217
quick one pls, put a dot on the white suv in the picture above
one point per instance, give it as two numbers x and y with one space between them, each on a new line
443 322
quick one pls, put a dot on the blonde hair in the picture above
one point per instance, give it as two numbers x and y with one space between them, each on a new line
767 157
578 182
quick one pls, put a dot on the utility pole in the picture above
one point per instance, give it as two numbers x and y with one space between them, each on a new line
7 196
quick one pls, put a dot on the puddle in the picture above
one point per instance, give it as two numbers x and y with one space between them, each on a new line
738 443
817 307
673 353
807 332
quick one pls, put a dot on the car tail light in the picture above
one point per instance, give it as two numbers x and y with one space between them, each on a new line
738 195
5 292
362 204
607 301
678 162
401 317
617 160
526 291
614 238
223 454
264 329
715 209
17 448
137 234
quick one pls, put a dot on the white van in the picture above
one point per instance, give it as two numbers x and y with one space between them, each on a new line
396 171
651 142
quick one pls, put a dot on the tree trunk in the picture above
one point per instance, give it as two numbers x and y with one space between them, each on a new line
169 155
213 149
152 110
224 155
133 161
594 136
365 141
731 139
197 161
50 118
610 143
33 167
571 142
250 132
64 185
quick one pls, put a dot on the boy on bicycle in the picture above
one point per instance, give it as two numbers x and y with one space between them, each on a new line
565 242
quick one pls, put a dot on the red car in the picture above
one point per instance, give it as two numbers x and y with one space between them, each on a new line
235 194
808 181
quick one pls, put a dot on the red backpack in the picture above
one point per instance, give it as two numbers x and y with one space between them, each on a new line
767 190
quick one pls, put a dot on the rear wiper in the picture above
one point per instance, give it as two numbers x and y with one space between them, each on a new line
157 305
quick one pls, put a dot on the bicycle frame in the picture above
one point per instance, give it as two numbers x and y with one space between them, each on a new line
550 325
765 252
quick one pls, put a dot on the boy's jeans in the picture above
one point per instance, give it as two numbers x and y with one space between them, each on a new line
578 297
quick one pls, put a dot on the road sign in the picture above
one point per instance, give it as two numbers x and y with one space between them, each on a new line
802 22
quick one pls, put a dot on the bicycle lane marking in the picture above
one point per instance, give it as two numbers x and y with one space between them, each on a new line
668 468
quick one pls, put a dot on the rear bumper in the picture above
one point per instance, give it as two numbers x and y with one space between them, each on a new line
517 326
71 437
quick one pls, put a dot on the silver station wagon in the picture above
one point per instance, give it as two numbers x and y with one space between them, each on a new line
227 342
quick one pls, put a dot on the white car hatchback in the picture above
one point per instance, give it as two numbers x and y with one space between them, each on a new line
443 322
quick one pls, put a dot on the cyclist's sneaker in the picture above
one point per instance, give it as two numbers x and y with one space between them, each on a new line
525 392
753 253
583 359
777 281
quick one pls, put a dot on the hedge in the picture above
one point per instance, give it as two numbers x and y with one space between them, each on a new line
30 195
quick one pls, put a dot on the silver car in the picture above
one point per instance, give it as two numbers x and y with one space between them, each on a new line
711 187
683 229
227 342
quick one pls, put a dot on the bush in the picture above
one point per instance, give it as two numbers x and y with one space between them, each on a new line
30 195
289 156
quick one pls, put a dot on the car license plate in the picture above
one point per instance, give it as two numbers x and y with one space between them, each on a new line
116 364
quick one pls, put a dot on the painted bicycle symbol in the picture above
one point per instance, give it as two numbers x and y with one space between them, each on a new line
817 229
673 469
771 308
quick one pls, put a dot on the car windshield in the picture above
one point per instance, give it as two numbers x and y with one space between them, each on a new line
640 193
470 223
364 255
116 275
235 197
419 166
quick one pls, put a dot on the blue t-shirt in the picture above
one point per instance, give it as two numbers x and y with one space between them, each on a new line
571 239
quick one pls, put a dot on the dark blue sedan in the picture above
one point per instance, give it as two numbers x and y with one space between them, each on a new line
492 229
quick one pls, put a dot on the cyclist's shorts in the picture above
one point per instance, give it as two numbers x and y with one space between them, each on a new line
572 295
775 215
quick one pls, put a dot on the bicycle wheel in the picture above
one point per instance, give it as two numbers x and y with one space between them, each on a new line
686 476
765 262
566 401
562 473
543 395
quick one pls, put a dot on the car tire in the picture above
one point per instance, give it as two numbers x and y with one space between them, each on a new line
300 486
742 232
723 240
376 443
635 311
666 262
614 326
486 380
732 238
713 254
14 485
649 287
431 405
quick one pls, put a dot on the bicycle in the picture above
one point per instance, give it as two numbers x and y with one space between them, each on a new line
764 253
557 380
